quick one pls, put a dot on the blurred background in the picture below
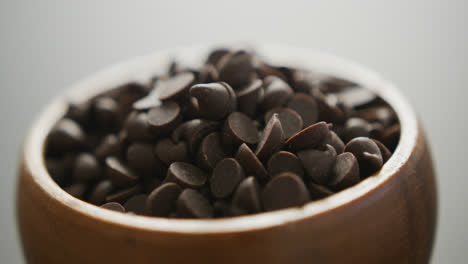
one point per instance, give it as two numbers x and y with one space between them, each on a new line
420 45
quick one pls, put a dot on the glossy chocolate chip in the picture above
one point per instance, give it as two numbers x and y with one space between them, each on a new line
193 204
386 154
335 141
124 194
355 127
345 172
236 69
276 93
136 204
86 168
249 97
105 112
227 174
310 137
238 129
114 207
66 136
137 128
77 190
318 191
291 121
141 158
283 161
272 139
194 131
367 153
215 100
283 191
109 146
168 151
250 162
119 173
247 196
210 151
186 175
165 118
163 199
100 192
318 163
175 88
306 107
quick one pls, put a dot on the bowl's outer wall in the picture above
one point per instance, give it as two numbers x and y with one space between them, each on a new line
394 223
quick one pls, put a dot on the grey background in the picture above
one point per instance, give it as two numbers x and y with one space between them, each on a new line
420 45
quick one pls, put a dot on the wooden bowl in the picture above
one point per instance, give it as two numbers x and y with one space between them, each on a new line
387 218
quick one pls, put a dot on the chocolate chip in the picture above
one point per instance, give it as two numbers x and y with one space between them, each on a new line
151 183
291 121
208 73
136 204
127 95
106 112
86 168
355 127
169 152
318 191
306 107
335 141
66 136
119 173
79 112
318 163
163 199
210 151
77 190
149 101
272 138
391 136
357 96
367 153
186 175
193 204
216 55
328 108
194 131
164 118
381 114
215 100
345 172
137 128
141 157
227 174
109 146
236 69
283 191
113 206
310 137
175 88
250 162
56 169
100 192
247 196
265 70
222 208
249 97
124 194
386 154
283 161
238 129
277 92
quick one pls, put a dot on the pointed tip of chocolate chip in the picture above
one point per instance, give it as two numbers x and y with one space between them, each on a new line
272 138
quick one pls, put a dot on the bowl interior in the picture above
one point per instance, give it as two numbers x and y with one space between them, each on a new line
142 68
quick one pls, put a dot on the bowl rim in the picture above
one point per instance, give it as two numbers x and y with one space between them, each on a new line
143 67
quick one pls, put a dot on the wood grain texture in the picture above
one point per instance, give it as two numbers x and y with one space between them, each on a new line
388 218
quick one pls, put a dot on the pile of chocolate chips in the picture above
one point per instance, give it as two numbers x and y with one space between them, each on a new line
236 136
